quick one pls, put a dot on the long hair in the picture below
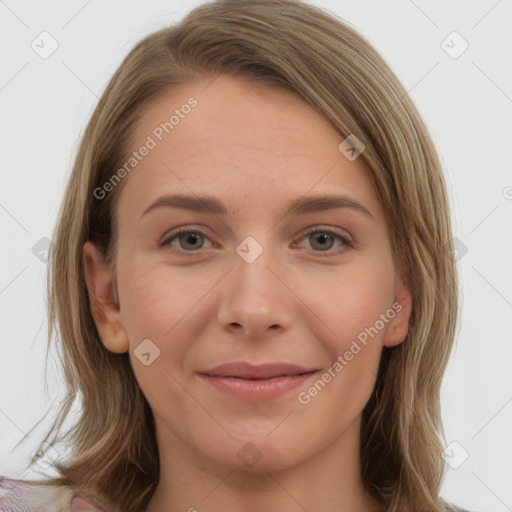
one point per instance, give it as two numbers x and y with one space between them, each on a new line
325 62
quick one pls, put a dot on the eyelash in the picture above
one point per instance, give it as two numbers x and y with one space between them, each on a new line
347 243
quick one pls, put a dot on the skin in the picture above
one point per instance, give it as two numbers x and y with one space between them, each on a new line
255 149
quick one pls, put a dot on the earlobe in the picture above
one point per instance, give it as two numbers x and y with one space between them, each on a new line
104 304
399 325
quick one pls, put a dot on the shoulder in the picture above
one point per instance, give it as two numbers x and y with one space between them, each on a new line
22 496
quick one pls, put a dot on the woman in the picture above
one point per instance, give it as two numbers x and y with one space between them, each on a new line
254 369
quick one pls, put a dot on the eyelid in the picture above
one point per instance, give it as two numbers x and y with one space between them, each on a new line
182 230
341 233
347 240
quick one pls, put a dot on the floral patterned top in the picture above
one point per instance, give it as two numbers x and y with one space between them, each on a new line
19 496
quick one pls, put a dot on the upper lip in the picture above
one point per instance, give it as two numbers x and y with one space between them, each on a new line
245 370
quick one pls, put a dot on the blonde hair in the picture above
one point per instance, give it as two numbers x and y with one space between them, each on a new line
339 74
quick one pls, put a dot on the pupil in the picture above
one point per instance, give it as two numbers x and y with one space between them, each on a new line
191 239
323 238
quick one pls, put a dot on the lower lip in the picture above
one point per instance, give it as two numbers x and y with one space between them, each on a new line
253 390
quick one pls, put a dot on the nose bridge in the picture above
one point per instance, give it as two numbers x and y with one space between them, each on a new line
255 298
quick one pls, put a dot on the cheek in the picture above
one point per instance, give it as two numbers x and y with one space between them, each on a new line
155 297
147 304
350 300
165 305
161 305
349 305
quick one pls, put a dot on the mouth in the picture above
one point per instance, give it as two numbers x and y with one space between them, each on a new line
255 383
270 377
248 371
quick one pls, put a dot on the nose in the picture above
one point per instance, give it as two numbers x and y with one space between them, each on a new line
256 297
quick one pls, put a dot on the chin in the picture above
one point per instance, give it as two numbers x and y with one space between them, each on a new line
256 455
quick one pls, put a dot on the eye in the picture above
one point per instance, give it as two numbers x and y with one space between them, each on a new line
189 240
323 240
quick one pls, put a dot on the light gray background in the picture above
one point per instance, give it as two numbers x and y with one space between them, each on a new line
465 101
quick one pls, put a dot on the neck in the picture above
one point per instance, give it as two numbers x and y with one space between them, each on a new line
329 480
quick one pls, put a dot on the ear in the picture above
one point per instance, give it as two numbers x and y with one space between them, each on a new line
399 325
105 309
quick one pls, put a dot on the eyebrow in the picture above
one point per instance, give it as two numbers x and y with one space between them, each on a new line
209 204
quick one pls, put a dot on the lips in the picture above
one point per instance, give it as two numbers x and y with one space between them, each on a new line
243 370
244 381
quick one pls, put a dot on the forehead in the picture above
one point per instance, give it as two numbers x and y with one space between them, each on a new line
252 145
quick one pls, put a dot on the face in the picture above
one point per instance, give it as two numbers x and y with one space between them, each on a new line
233 274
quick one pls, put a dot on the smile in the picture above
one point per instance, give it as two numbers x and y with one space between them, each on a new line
256 389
